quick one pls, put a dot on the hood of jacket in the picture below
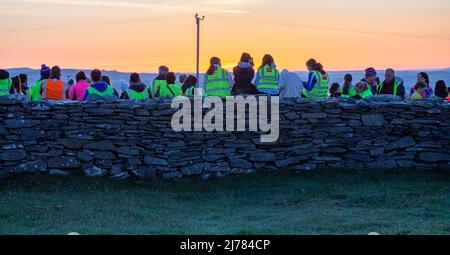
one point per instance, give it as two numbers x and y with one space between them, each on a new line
244 65
160 77
100 86
4 74
138 86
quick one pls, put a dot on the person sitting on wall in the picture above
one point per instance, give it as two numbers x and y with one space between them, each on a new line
440 90
391 85
348 90
335 90
371 79
6 87
171 88
137 89
189 84
362 90
419 91
99 87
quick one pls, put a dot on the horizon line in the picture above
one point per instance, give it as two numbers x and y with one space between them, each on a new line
329 70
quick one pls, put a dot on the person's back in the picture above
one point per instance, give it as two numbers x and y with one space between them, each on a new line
243 76
159 80
54 88
78 90
6 87
317 85
171 88
267 79
217 81
290 84
189 84
98 87
348 90
137 89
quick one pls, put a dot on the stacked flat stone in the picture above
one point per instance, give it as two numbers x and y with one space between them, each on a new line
119 138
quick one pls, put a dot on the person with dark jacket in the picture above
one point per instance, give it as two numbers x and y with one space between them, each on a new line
243 76
6 87
189 85
137 89
99 87
391 85
440 90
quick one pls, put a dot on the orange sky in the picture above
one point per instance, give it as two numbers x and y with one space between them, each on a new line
140 35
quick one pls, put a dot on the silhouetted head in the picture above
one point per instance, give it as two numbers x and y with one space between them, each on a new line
163 70
171 78
335 88
96 75
441 89
214 64
389 75
422 76
134 78
246 57
106 79
310 64
267 60
80 76
56 72
348 78
182 78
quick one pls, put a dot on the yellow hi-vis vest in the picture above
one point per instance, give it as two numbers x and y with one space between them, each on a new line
320 90
217 84
5 86
269 78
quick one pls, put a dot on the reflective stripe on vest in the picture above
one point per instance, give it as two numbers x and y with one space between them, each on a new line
217 84
320 89
190 91
54 89
135 95
367 93
109 91
396 84
5 86
269 78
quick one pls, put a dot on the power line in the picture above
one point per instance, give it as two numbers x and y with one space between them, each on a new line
336 29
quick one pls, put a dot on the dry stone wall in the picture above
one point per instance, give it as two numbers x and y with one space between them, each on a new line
124 139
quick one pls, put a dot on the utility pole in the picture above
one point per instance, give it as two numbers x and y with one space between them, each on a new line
197 20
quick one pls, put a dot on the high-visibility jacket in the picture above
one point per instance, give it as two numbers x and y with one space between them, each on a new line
269 78
170 90
320 90
5 86
108 92
35 91
135 95
365 94
218 84
351 92
396 84
190 91
54 89
156 84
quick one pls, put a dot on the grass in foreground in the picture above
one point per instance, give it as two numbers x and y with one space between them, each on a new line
320 202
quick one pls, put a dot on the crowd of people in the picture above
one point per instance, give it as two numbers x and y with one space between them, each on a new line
244 80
